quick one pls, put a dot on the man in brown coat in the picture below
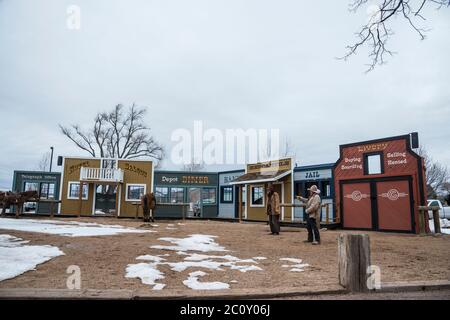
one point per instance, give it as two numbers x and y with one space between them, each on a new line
273 210
313 214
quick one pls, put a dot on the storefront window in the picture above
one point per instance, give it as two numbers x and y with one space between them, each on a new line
226 195
74 190
209 195
257 195
176 195
162 194
325 190
135 192
47 191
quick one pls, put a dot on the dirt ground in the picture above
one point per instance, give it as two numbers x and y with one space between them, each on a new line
103 259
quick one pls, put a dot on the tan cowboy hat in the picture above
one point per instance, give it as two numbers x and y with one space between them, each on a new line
314 189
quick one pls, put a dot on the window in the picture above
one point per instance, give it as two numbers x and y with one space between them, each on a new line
47 191
135 192
226 195
257 196
31 186
325 190
74 191
209 195
373 163
176 195
162 194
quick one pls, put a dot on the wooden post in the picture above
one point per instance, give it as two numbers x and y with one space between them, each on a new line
327 210
80 199
240 203
118 189
436 220
422 221
353 261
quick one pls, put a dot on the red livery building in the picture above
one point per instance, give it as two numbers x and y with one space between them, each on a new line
379 185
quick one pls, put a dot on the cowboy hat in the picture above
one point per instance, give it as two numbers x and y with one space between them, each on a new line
314 189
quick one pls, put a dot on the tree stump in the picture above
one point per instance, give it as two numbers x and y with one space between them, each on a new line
354 260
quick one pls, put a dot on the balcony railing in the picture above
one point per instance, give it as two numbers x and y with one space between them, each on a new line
101 174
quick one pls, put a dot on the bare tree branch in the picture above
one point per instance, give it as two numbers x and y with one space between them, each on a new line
118 134
437 175
376 32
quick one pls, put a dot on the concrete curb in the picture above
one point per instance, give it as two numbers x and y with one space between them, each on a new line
124 294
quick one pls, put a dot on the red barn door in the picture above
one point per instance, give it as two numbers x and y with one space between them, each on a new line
356 205
394 205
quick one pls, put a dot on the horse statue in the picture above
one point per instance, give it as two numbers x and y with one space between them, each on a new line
148 205
18 199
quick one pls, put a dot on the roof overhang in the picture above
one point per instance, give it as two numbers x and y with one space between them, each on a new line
251 178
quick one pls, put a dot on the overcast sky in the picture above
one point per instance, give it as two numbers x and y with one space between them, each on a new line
230 63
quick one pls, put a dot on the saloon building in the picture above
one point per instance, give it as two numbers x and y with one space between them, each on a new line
253 185
108 186
192 194
380 184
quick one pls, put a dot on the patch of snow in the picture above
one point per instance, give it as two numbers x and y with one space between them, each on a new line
259 258
155 225
147 272
294 260
193 283
17 258
233 281
296 270
195 242
170 228
148 257
66 228
170 225
443 229
181 224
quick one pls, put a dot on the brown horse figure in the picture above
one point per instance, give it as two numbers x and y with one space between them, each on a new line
148 205
18 199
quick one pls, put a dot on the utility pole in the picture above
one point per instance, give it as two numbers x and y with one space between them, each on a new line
51 159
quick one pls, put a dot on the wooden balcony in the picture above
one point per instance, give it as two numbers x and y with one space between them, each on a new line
101 175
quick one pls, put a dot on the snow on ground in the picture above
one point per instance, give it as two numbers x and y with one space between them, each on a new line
296 266
259 258
66 228
445 224
16 257
195 242
147 272
193 283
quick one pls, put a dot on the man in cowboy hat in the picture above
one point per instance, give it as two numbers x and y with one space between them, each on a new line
273 210
312 214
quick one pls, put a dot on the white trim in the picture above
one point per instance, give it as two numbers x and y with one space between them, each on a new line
119 190
100 158
292 196
61 184
94 199
246 201
263 197
77 198
137 185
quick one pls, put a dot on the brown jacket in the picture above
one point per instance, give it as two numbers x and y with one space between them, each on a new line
274 201
313 207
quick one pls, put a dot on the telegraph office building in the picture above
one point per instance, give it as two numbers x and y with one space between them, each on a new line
254 183
320 175
108 186
47 184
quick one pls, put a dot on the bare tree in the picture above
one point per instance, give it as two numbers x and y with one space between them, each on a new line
194 165
44 162
437 175
120 133
377 31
